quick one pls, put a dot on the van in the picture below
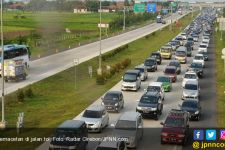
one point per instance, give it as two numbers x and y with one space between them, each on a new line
181 54
144 72
131 80
166 52
130 126
64 135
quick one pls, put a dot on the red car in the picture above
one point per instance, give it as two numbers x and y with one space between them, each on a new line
171 71
176 127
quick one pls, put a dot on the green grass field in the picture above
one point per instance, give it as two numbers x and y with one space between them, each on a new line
220 79
57 100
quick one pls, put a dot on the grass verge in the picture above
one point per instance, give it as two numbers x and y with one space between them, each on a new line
56 98
220 79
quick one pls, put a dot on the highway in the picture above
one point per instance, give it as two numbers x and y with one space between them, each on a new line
152 128
50 65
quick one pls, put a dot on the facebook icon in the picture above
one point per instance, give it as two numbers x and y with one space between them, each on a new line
198 135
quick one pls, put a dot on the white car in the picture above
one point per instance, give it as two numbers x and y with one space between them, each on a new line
199 58
206 38
96 118
156 86
131 80
184 36
189 76
206 43
191 90
203 47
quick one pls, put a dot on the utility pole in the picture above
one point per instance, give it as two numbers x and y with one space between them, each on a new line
124 18
171 17
3 122
100 42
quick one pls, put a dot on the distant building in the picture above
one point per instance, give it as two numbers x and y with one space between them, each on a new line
80 10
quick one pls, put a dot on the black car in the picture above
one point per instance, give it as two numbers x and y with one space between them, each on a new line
189 49
198 68
150 105
113 101
205 55
70 129
193 107
176 63
157 56
151 64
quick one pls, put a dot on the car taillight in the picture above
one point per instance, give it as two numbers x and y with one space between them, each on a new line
180 135
164 134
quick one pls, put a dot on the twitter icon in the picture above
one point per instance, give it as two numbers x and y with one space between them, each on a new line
210 135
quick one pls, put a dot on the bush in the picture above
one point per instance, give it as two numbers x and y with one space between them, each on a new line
29 92
20 95
100 79
112 70
118 67
125 63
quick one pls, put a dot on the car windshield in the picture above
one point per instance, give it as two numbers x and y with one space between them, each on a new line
149 62
190 76
174 122
125 125
149 99
153 88
190 39
196 65
180 53
170 71
191 87
128 77
92 114
165 50
111 96
189 104
140 69
199 58
105 148
202 46
163 79
173 63
63 133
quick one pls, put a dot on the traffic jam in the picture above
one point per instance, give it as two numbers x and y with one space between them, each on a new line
186 57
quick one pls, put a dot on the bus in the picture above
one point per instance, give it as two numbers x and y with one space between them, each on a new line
17 52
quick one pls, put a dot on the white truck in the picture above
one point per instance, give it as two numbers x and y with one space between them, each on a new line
14 70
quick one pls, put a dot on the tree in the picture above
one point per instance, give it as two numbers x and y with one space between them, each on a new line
223 12
92 5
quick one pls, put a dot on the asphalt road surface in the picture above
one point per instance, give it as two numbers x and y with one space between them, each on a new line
151 138
47 66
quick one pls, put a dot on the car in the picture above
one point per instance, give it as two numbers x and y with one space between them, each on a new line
175 128
113 101
131 80
202 47
108 144
206 43
191 44
205 55
156 86
181 54
96 118
190 40
157 56
69 129
144 72
163 22
176 63
198 68
184 35
174 44
129 125
166 52
199 58
171 71
193 107
195 37
191 89
166 82
206 38
179 38
189 75
151 64
150 105
189 51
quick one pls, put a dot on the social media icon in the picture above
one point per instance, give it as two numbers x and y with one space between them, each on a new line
222 134
198 135
210 135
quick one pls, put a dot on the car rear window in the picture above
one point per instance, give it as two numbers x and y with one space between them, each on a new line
125 125
170 71
174 122
92 114
111 96
191 86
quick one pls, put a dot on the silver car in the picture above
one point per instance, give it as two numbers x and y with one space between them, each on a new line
144 73
191 90
129 126
96 118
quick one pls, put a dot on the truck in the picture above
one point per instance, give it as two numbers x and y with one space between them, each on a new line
14 70
159 19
